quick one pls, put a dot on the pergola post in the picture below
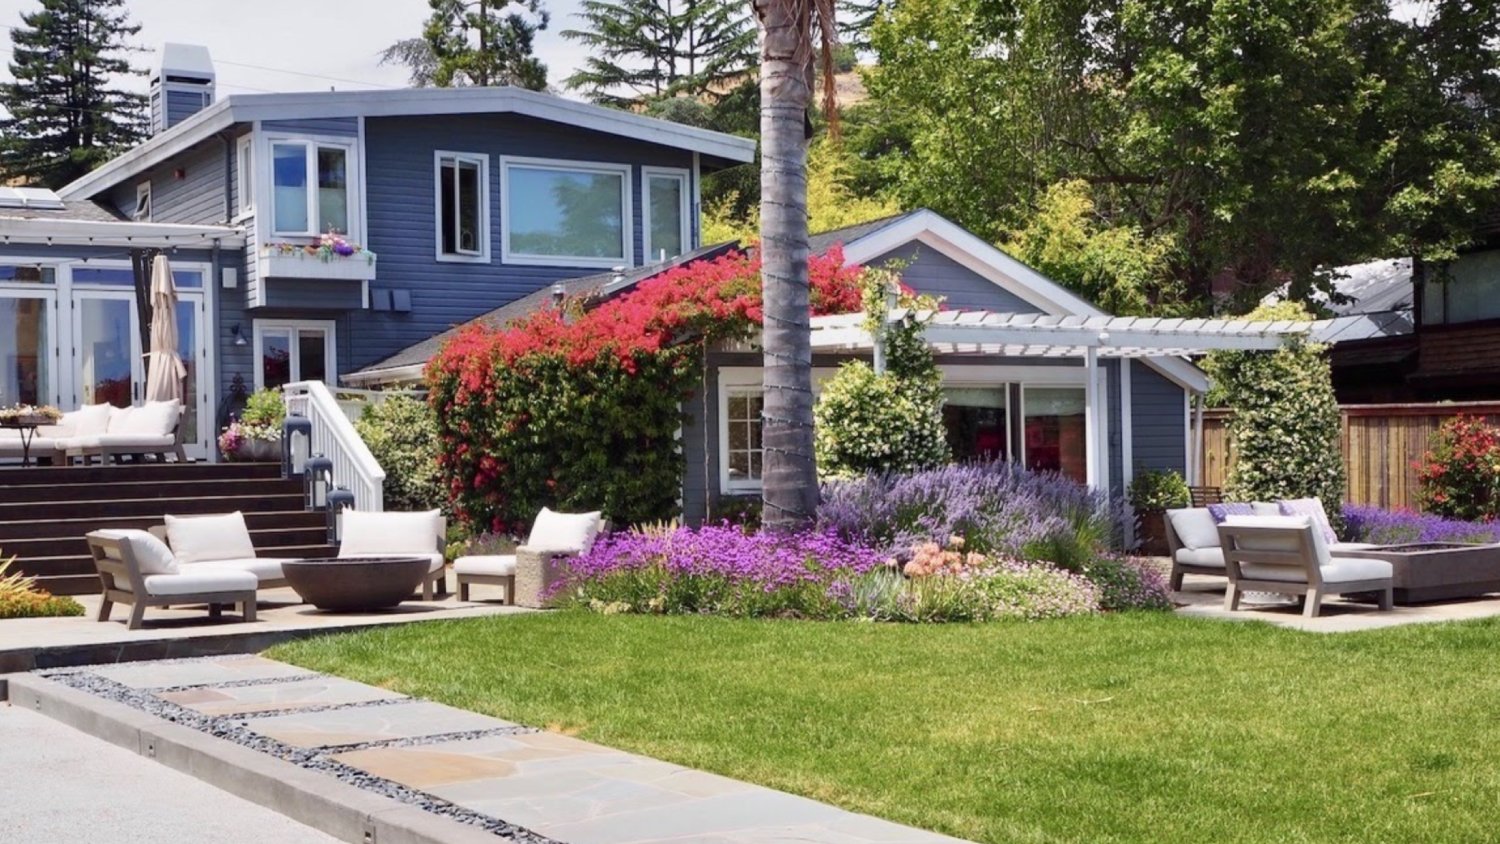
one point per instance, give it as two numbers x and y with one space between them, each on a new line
1092 418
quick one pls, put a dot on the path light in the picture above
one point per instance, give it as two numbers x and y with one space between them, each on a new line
296 435
317 478
338 499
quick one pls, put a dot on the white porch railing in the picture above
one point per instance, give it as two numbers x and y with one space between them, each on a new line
334 437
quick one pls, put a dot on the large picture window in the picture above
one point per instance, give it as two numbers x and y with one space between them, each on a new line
1055 432
310 185
565 213
462 207
667 215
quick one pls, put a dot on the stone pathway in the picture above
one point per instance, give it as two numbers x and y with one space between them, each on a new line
513 780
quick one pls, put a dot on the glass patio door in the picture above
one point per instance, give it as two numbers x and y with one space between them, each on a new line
108 367
27 352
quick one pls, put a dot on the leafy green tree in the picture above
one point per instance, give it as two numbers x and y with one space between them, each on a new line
1269 139
66 113
477 42
648 49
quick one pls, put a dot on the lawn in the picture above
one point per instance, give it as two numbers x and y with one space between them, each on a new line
1137 727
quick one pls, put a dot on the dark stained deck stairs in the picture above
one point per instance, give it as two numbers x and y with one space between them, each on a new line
45 512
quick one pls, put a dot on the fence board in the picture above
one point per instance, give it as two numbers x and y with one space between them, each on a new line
1380 443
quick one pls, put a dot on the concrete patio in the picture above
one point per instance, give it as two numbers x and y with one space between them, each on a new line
1203 597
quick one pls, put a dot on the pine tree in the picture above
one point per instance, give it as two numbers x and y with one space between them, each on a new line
65 116
651 49
475 43
857 18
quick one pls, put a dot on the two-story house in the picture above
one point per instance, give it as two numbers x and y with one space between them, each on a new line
464 200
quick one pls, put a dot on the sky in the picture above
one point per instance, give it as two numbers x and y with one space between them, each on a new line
299 45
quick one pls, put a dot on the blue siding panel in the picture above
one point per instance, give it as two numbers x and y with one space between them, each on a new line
1158 424
930 271
190 189
184 104
341 126
402 224
313 294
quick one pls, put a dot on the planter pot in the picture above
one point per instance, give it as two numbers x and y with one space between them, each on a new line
1152 533
258 451
357 267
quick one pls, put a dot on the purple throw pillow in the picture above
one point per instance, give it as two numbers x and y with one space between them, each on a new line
1220 512
1313 509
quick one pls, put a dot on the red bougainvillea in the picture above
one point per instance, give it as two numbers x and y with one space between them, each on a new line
577 408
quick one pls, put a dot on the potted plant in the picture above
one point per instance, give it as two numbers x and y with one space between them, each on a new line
256 435
1151 494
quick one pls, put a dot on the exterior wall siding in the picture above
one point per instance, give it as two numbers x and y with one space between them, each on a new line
341 126
198 196
184 104
1158 424
930 271
402 225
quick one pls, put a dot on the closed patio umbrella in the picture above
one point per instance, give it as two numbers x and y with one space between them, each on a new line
164 371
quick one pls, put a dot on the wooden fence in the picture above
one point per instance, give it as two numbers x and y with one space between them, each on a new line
1380 443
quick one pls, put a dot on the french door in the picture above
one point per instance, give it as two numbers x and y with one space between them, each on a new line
28 347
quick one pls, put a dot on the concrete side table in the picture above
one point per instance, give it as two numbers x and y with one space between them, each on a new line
538 573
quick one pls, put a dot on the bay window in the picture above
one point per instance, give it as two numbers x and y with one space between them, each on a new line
462 207
310 186
565 213
667 214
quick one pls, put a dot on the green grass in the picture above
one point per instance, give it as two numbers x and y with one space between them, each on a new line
1146 727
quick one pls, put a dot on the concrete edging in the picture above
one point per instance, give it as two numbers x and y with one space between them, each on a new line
317 800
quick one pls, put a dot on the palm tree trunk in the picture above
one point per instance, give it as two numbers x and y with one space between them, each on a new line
789 475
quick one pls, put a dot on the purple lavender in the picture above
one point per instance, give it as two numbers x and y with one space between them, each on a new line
1365 523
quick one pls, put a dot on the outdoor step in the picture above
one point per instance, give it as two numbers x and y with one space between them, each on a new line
73 584
37 529
48 475
147 507
77 544
78 491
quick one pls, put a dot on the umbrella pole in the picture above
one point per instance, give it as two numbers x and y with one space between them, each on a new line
140 265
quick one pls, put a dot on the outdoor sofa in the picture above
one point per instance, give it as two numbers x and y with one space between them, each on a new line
106 432
530 575
1288 555
136 568
1193 533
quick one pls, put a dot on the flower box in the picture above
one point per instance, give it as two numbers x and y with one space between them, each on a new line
298 264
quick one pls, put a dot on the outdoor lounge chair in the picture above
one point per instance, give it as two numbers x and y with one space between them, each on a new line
554 536
220 541
136 568
395 534
1289 556
1193 536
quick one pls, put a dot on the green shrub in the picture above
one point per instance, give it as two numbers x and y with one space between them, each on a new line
402 434
1128 583
1286 419
1158 489
264 407
20 597
1459 476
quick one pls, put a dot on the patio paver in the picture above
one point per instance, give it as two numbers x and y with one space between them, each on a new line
340 727
318 691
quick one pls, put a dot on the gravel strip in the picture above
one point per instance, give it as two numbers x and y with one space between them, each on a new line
232 728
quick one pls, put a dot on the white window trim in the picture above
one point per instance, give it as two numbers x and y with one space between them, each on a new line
353 173
684 178
244 174
483 160
627 228
143 201
259 328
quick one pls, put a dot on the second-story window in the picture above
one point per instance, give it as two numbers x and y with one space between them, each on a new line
142 210
666 208
311 188
462 207
565 213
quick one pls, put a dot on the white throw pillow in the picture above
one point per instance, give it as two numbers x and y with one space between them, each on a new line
151 554
91 419
1195 527
203 539
553 531
152 419
382 534
1283 543
1266 508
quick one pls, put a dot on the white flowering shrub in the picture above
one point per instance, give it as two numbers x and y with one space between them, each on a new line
893 421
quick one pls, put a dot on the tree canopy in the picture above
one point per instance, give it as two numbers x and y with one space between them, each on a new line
649 49
475 42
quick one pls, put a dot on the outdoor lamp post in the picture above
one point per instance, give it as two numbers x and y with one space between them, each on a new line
317 478
296 436
338 499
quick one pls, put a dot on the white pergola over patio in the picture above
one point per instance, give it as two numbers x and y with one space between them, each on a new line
986 334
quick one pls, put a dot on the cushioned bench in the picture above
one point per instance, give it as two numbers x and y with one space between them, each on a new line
138 569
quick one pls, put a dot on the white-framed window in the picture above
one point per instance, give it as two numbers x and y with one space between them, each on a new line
565 213
294 350
245 175
462 198
743 449
1054 430
312 187
666 206
142 210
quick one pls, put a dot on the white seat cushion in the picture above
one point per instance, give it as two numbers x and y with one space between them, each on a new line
202 539
434 559
117 440
1195 527
264 568
1348 569
200 579
1350 548
388 534
1201 557
152 556
486 565
553 531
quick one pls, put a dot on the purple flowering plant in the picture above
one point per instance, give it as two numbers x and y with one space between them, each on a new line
1365 523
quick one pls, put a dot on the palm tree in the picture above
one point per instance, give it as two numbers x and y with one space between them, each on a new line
788 31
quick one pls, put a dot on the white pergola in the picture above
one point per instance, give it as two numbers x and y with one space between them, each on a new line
986 334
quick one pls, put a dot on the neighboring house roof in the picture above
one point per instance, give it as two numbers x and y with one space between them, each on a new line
77 209
247 108
407 364
1373 300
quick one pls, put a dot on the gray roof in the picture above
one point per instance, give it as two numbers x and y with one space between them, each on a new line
591 288
73 209
1373 287
822 241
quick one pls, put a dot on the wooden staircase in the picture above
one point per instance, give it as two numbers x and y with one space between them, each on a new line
45 512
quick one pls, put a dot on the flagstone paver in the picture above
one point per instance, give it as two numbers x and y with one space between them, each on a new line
501 775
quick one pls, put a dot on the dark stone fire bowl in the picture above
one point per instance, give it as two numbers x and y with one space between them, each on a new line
349 585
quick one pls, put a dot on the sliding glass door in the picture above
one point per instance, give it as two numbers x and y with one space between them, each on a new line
27 353
108 348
